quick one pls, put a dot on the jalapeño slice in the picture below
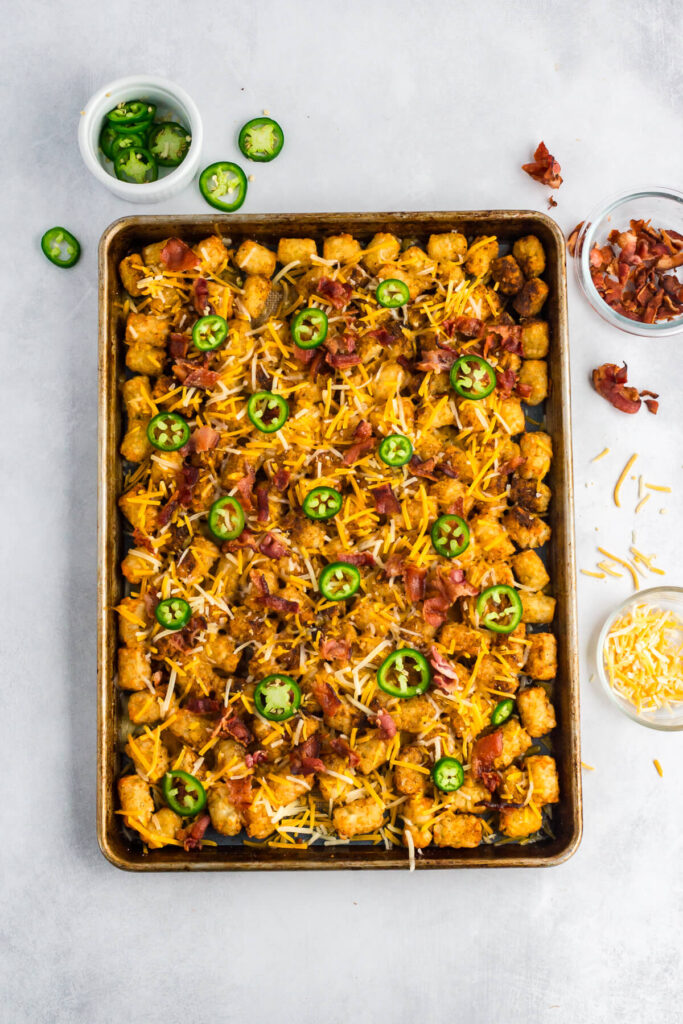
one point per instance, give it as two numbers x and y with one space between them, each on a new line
209 332
322 503
502 711
134 111
169 143
108 135
223 185
448 774
450 535
61 247
168 431
392 293
123 142
499 608
268 412
277 698
472 377
226 518
339 581
405 673
261 139
183 793
395 450
173 613
309 327
136 165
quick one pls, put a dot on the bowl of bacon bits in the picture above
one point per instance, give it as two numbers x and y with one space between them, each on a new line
640 657
629 261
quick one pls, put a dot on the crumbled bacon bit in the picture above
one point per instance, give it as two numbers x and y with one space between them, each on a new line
203 705
281 479
386 725
305 758
239 791
192 375
281 604
552 201
341 747
204 439
484 752
192 835
609 380
271 547
635 272
544 167
337 293
326 697
334 650
386 501
436 360
470 326
573 238
263 512
200 297
257 757
177 256
178 345
423 468
358 558
415 577
363 442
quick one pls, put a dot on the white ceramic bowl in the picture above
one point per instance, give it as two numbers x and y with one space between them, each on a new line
172 102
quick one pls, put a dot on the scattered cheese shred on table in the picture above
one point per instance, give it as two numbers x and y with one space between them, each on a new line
658 767
624 474
601 455
643 662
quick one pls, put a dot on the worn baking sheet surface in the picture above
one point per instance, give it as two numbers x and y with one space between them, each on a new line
134 232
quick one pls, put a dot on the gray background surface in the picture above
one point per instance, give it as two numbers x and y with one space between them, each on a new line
401 105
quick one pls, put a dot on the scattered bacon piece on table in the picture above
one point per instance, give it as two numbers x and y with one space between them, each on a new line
544 167
609 380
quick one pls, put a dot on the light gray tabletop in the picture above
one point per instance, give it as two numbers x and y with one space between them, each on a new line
386 106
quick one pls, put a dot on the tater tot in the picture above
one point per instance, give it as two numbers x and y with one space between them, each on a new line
150 757
530 570
462 831
537 451
535 340
360 816
134 669
343 248
536 711
480 254
382 248
136 799
530 255
253 258
144 708
225 817
299 250
212 253
143 358
508 275
255 295
516 741
520 822
543 773
450 245
541 662
372 751
141 328
132 271
527 531
534 375
529 301
538 609
407 780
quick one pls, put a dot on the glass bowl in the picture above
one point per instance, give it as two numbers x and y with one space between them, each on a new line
664 208
668 599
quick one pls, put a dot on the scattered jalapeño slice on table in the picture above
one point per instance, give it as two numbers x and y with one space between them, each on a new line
60 247
261 139
223 185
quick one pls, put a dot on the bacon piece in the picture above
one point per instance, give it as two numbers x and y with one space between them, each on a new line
166 511
386 501
484 752
239 791
406 364
259 581
204 705
193 376
447 470
271 547
263 512
507 380
178 345
281 479
341 343
652 405
364 441
204 438
258 757
341 360
326 697
395 565
609 380
304 759
552 201
245 540
386 725
382 335
441 664
360 559
245 486
435 610
436 360
184 639
342 748
231 724
281 604
455 584
141 540
415 583
337 293
189 479
420 468
510 336
334 650
470 326
446 588
573 238
177 256
544 167
200 297
192 835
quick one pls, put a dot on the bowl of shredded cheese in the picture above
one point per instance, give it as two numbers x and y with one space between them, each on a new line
640 657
